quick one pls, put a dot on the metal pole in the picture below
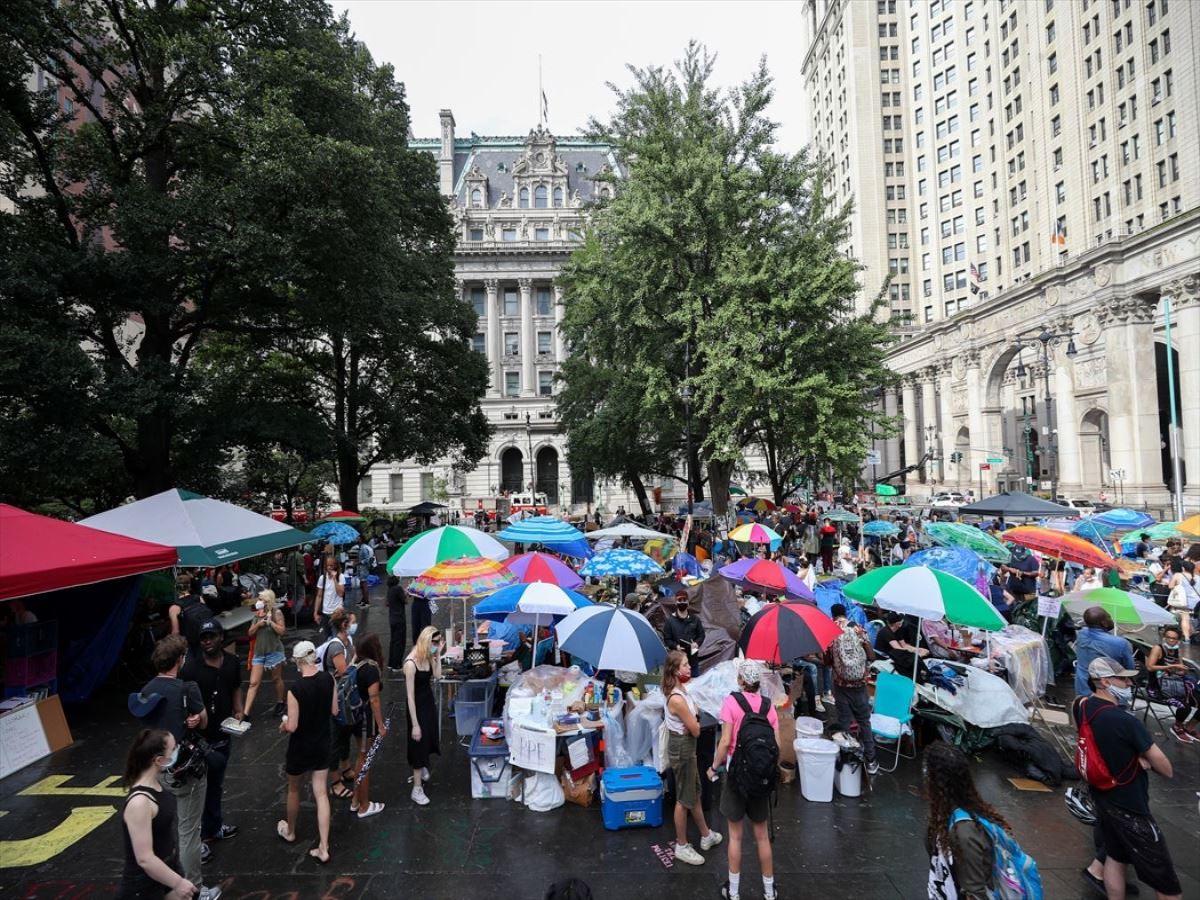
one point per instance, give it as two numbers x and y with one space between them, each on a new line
687 416
1051 447
1176 469
532 477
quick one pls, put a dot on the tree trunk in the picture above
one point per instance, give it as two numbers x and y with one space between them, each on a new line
346 455
635 481
697 475
719 474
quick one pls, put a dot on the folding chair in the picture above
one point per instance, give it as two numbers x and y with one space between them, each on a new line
1146 689
891 714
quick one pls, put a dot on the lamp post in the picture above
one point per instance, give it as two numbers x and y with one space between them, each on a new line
529 439
1048 338
686 393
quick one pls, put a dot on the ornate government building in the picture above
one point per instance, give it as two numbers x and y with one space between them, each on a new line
519 207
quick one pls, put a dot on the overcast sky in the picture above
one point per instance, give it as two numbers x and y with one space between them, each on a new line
480 59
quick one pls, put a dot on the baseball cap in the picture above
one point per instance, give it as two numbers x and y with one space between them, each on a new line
750 671
209 590
1107 667
303 648
212 626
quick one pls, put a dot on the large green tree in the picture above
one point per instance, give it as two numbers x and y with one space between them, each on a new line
716 273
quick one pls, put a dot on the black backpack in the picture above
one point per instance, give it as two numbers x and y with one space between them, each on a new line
193 613
755 764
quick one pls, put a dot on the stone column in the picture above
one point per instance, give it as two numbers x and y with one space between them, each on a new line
929 417
560 352
1010 431
975 422
1133 397
950 469
891 447
1066 423
528 346
1185 337
494 348
911 454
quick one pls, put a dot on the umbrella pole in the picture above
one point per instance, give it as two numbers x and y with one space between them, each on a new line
917 658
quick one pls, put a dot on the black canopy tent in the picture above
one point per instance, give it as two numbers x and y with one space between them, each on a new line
1016 505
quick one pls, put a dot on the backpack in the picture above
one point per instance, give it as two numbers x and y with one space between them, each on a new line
350 702
755 764
1014 872
193 613
849 658
1090 763
323 650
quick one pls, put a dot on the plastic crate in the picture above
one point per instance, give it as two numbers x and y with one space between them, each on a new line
490 769
473 704
27 671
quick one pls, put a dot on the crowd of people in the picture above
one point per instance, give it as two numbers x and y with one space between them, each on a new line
334 712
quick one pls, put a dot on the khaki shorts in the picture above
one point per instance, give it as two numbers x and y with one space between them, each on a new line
681 755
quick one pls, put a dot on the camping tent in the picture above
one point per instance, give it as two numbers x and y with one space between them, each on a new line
39 554
1016 505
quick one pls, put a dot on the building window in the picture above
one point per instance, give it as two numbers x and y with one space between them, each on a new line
479 343
558 197
364 489
512 302
540 197
512 343
477 198
479 301
524 198
508 234
545 384
544 342
396 487
541 234
512 384
426 485
542 300
475 234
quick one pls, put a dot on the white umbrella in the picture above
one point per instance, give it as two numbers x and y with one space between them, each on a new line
625 530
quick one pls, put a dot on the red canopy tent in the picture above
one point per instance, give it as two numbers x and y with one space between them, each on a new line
39 554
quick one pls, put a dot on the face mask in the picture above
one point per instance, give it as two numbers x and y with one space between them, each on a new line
684 679
681 610
1123 694
352 629
173 758
1174 646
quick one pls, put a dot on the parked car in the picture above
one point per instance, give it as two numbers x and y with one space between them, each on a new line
1081 506
947 499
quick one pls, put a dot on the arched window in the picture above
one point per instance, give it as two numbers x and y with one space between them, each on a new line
558 197
539 197
605 194
477 198
524 198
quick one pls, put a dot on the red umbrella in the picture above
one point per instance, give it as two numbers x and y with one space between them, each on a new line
784 632
342 515
531 567
1058 544
769 577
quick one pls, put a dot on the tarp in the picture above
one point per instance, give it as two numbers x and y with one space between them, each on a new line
206 532
39 554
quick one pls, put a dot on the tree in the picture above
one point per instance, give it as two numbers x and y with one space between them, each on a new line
717 267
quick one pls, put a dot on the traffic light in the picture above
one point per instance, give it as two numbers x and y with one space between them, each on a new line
956 457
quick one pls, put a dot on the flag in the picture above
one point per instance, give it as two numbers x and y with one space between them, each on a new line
1060 233
974 279
545 108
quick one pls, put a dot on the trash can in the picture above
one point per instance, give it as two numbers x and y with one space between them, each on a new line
816 759
808 727
848 779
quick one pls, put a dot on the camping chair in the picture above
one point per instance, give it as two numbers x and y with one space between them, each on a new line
1146 689
891 714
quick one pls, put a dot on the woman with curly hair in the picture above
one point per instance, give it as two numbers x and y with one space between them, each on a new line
961 852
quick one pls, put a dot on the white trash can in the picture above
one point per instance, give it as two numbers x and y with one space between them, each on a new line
808 727
848 779
816 760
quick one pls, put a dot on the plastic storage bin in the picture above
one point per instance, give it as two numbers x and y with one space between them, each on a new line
816 759
473 704
490 770
631 798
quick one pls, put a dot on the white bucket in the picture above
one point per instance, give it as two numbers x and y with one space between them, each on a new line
816 761
848 779
808 727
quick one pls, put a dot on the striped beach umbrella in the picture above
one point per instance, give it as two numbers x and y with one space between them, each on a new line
424 551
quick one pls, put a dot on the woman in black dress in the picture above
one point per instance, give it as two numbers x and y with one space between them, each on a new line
311 701
421 667
149 819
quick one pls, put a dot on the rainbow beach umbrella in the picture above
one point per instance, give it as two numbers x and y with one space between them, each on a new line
462 579
754 533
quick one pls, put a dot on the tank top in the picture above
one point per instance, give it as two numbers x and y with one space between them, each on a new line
266 640
134 880
674 723
1169 657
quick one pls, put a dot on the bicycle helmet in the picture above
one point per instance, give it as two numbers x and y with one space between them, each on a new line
1080 806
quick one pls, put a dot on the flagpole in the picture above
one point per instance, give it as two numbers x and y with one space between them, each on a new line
541 106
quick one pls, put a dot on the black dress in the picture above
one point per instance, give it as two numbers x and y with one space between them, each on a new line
135 883
427 717
308 745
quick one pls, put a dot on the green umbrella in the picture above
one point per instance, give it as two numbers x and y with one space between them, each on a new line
839 515
885 490
1125 608
956 534
1163 531
736 491
421 553
925 593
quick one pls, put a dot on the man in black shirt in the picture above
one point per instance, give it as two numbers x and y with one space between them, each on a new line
219 678
1022 574
1125 826
684 632
897 640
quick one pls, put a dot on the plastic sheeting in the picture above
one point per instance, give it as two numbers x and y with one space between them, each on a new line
985 702
1024 655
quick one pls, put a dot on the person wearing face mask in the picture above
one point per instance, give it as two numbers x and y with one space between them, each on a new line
422 667
336 656
684 632
1125 831
683 728
1094 640
149 822
1176 682
331 595
219 678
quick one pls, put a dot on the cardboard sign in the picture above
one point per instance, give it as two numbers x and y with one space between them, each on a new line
532 749
1049 607
22 739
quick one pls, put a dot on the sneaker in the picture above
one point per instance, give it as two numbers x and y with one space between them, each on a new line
280 709
725 893
828 700
873 767
686 853
818 705
205 853
1182 734
226 832
419 797
710 840
209 893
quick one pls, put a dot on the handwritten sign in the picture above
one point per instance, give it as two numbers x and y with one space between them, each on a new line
1050 607
531 749
22 739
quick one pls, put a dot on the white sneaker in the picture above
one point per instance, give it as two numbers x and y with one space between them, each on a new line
710 840
818 705
208 893
686 853
828 700
418 796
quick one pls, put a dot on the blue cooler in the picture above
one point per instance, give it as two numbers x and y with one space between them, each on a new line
631 798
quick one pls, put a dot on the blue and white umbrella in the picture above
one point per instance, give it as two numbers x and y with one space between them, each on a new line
622 562
1119 519
878 528
337 533
609 637
530 603
541 530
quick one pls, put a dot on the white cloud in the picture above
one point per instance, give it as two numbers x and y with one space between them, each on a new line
480 59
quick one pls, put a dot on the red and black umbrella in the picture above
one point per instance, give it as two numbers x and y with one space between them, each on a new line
784 632
768 576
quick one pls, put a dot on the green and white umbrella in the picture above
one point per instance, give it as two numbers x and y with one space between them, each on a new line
204 531
424 551
956 534
1124 607
838 515
927 594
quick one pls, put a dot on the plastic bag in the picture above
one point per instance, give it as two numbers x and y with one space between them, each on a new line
641 727
616 752
543 792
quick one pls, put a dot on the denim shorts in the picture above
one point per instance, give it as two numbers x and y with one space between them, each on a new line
269 661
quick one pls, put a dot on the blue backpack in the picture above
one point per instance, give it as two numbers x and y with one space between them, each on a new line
351 710
1014 872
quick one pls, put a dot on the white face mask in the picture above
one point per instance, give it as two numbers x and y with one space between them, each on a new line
173 758
352 629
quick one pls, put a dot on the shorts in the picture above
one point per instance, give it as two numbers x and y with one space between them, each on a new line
269 660
302 760
340 743
735 807
1130 837
681 754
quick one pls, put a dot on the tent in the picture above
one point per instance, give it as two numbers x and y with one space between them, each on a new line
1016 505
39 554
206 532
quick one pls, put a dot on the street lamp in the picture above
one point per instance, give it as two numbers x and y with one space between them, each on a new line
1048 338
529 438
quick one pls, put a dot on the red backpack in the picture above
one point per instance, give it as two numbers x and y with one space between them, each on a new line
1090 763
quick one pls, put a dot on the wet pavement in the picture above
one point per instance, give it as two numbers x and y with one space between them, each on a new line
60 833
